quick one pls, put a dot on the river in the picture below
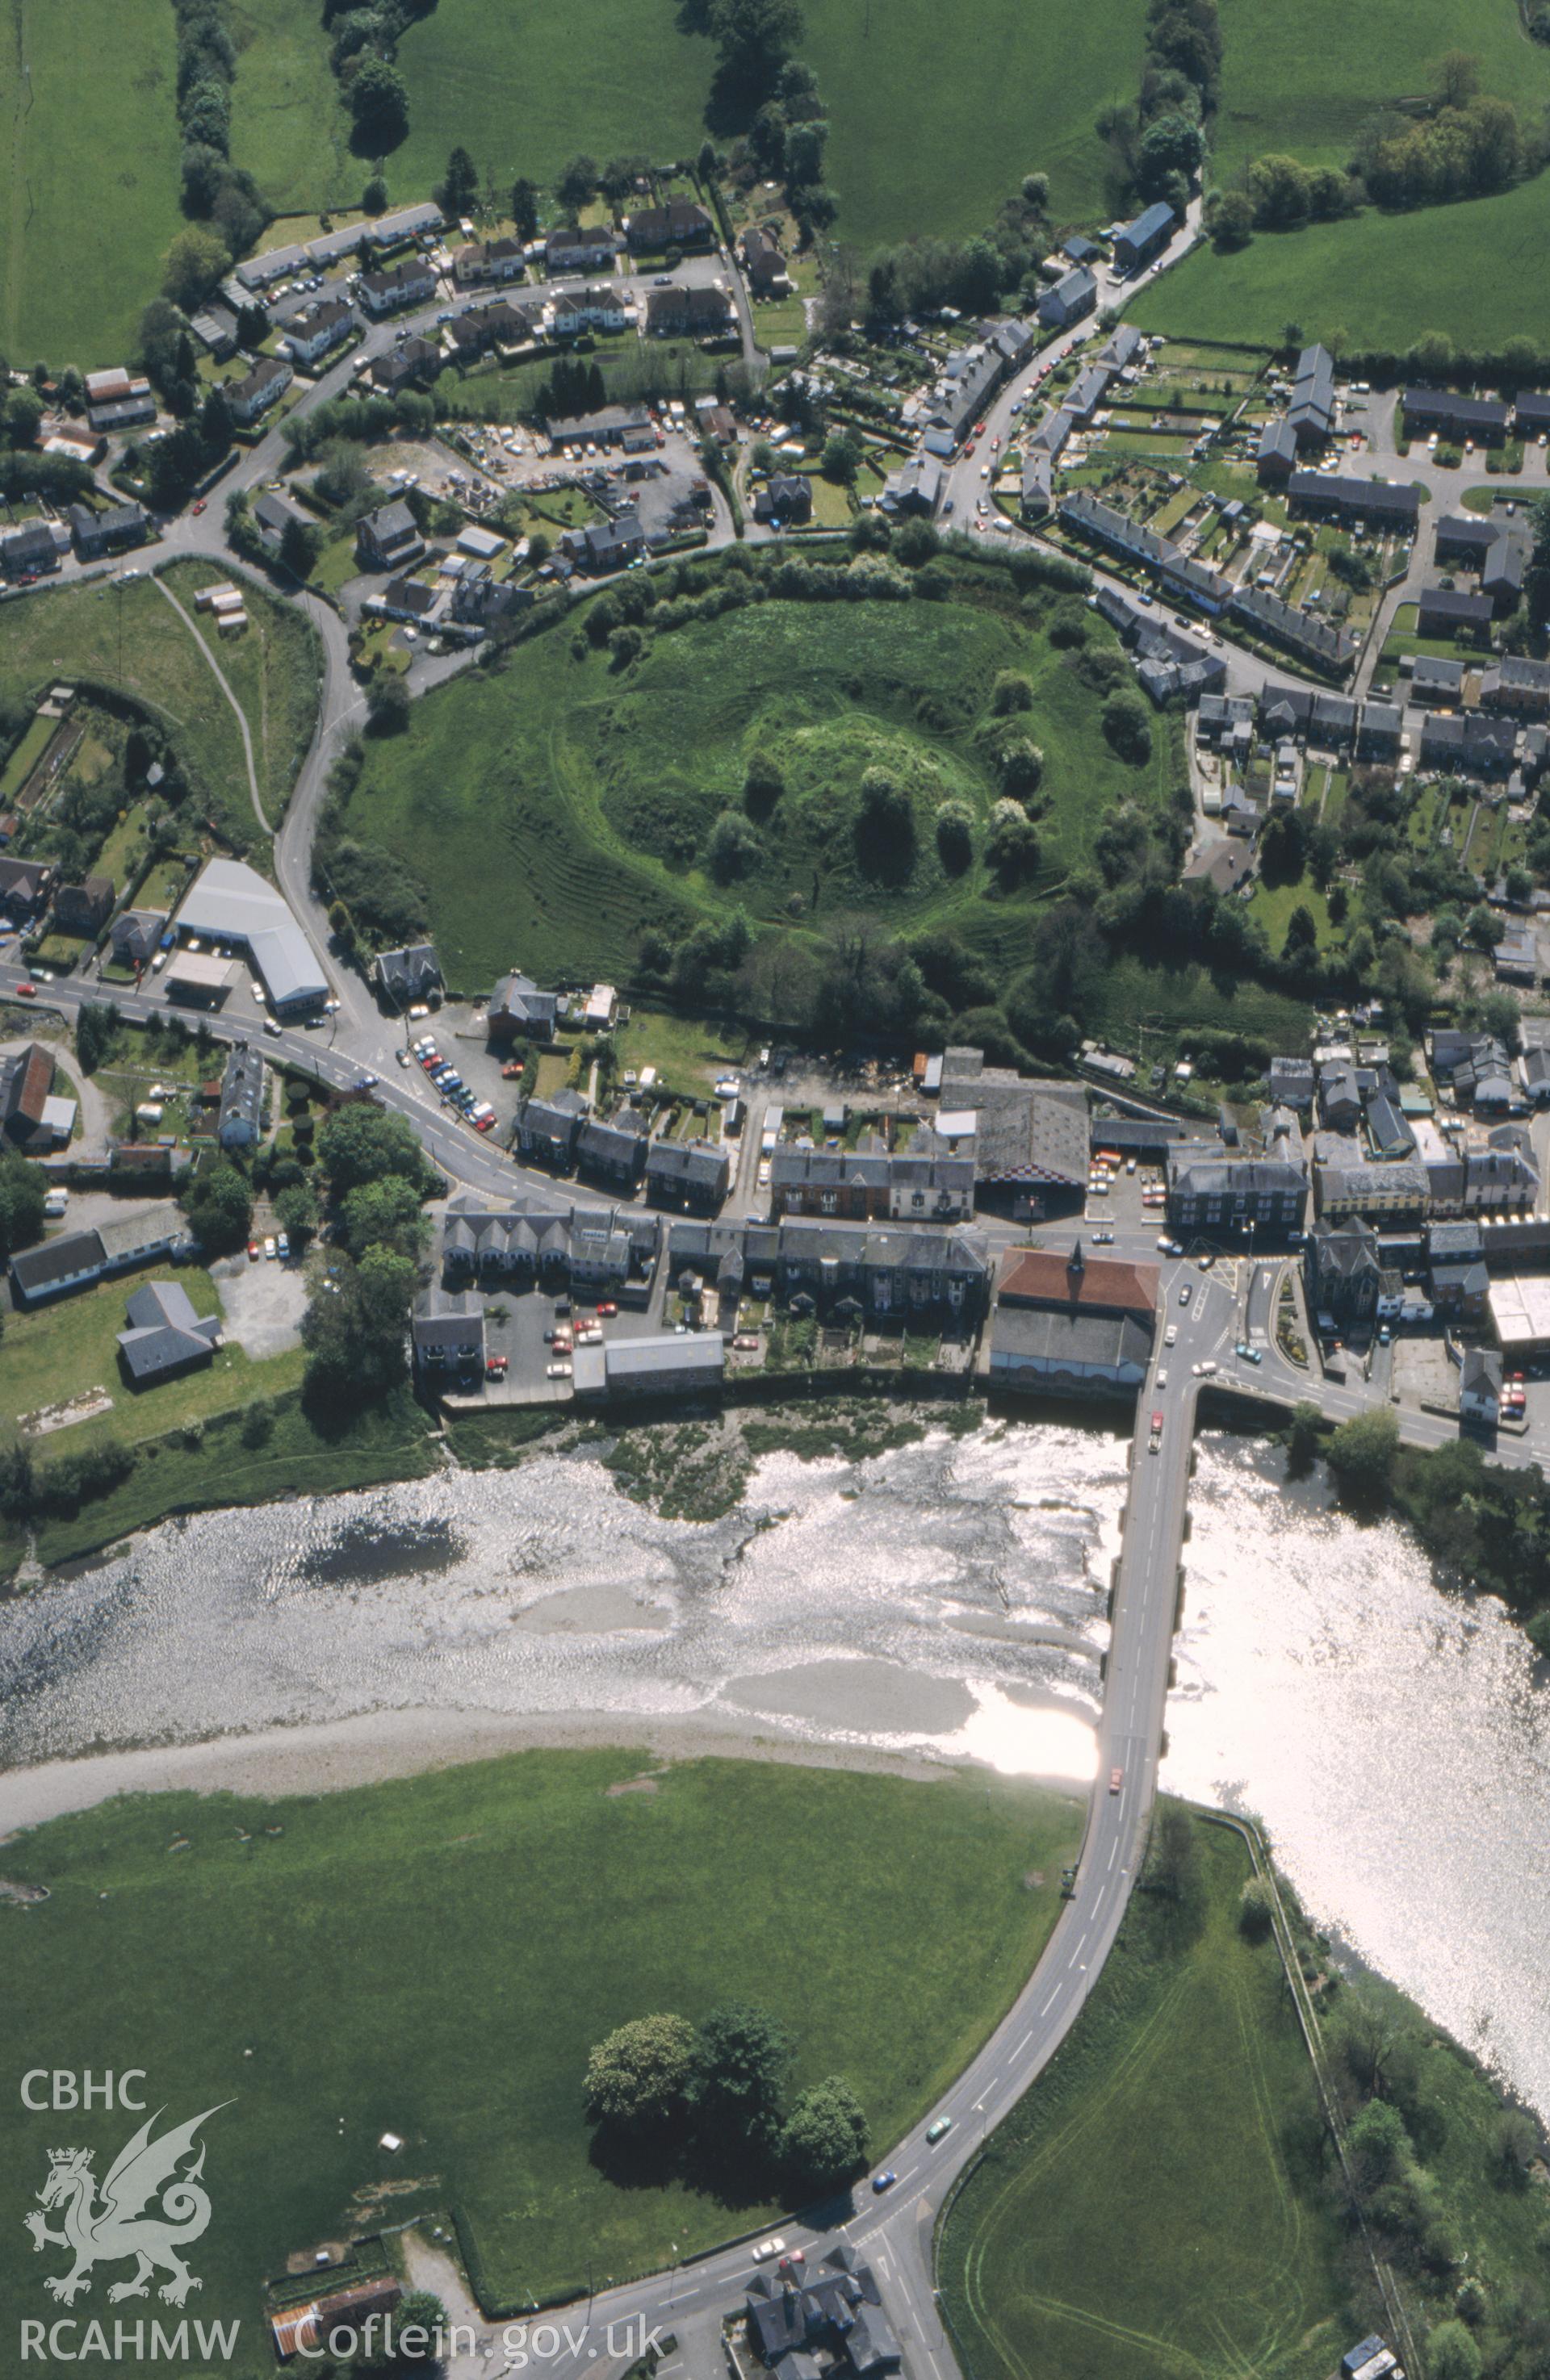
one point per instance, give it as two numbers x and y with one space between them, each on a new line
944 1598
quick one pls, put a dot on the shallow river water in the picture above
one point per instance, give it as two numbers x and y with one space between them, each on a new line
946 1597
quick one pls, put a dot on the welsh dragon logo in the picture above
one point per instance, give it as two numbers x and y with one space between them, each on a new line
147 2209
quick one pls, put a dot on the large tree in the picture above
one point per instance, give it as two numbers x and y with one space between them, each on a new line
385 1213
459 183
638 2078
379 105
1361 1454
22 1192
360 1143
741 2059
220 1209
825 2142
357 1339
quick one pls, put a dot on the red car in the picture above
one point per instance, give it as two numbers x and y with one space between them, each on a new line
511 1069
484 1124
26 991
607 1306
200 506
979 429
495 1365
254 1252
1117 1779
970 448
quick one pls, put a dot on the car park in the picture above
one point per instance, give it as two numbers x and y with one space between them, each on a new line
557 1371
1186 1292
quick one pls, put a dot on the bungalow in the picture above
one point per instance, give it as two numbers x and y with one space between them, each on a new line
764 265
389 538
491 260
262 387
273 512
1449 612
408 976
1453 416
694 1174
701 312
109 531
786 497
1068 299
519 1011
596 306
1141 240
683 222
448 1331
318 331
84 908
606 545
215 327
570 250
610 426
413 284
164 1335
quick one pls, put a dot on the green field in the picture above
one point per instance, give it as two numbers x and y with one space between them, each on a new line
74 633
89 177
1305 79
1375 282
436 1956
1154 2208
914 151
557 809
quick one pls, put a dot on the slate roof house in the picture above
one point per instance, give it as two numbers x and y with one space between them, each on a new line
1517 685
833 2314
1329 497
26 1085
692 1174
109 531
259 389
1342 1267
548 1128
1450 611
872 1185
405 976
1311 414
240 1121
604 545
1141 240
765 264
491 260
683 222
1480 1385
164 1335
1449 414
24 887
785 496
1214 1190
1068 299
407 284
568 248
614 1152
518 1010
700 310
389 538
78 1258
135 933
448 1331
84 908
1068 1324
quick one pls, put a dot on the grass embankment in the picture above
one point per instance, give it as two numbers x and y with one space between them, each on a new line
1306 78
1375 282
556 809
88 176
1155 2206
436 1956
928 136
129 639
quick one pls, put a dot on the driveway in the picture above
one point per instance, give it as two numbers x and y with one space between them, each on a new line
263 1302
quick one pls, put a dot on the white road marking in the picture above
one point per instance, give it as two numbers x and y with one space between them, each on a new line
1050 2002
1024 2042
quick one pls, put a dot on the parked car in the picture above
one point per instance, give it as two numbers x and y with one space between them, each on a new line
1117 1779
282 1247
557 1371
1186 1292
254 1252
606 1305
495 1366
269 1249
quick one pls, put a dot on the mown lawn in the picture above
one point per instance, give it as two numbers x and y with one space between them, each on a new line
436 1956
131 636
1154 2208
88 176
555 809
1376 281
1306 77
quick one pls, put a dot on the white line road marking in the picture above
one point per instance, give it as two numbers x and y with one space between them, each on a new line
1050 2002
1024 2042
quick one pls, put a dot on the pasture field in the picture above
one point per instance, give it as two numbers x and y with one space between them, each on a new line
557 809
1375 280
1186 2099
437 1955
89 179
287 127
74 632
930 127
1306 78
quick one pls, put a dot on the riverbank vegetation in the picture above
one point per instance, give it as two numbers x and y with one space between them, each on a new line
501 1921
1243 2250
